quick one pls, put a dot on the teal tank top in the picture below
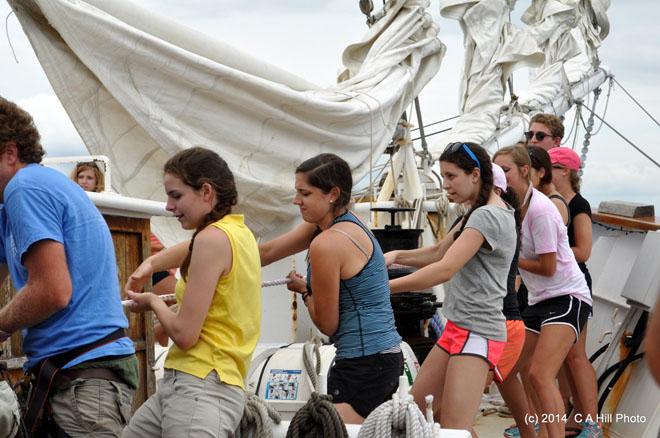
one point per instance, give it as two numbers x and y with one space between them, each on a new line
366 320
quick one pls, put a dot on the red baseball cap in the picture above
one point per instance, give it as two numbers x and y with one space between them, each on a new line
566 157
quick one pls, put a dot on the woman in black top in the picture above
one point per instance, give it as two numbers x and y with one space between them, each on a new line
582 377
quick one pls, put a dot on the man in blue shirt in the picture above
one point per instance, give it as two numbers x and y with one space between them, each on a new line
57 249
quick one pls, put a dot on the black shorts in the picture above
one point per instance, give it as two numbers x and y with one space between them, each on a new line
365 382
565 309
521 295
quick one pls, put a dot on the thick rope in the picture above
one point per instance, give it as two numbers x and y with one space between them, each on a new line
275 282
313 369
258 418
318 418
172 297
398 418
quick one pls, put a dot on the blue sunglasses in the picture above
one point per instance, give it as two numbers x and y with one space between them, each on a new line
453 147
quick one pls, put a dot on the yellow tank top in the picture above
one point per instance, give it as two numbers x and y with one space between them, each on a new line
231 328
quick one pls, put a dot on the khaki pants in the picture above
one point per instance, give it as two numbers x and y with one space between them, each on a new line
187 406
92 407
10 416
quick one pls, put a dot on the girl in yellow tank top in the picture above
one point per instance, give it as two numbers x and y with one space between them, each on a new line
217 326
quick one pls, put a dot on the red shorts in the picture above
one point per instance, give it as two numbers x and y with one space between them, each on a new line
515 339
456 341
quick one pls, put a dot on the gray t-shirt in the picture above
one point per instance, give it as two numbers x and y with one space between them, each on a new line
473 296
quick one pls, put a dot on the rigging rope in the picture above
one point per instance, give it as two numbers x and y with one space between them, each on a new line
398 418
439 121
11 46
578 117
433 133
317 418
313 369
624 138
573 126
258 418
607 103
587 135
635 100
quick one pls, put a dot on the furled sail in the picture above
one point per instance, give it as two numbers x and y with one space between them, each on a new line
140 87
569 32
560 40
493 49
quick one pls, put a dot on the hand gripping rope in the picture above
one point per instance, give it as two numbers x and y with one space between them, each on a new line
172 297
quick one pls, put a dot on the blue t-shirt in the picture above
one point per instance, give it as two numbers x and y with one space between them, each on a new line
43 204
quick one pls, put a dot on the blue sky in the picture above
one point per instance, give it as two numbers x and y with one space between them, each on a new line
307 38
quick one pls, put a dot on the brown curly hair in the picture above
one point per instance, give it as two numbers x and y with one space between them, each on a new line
554 123
196 166
17 125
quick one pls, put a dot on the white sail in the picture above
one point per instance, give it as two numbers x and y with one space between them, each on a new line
140 87
493 49
561 40
569 32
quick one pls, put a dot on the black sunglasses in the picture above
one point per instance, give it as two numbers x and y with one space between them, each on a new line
540 135
87 164
453 147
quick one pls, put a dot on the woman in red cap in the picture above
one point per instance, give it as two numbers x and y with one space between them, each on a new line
582 377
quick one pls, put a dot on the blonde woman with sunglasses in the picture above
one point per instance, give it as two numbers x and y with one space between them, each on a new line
559 299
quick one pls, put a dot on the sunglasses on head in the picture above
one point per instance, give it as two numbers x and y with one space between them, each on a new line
453 147
87 164
540 135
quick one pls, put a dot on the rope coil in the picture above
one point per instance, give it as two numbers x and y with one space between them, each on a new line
318 418
258 418
398 418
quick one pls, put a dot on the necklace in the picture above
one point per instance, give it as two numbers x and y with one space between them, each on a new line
526 200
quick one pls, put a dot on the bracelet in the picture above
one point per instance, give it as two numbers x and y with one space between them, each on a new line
306 295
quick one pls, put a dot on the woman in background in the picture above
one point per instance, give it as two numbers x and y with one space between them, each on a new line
506 379
541 176
88 176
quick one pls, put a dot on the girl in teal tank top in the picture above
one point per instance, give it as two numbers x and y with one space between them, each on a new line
346 292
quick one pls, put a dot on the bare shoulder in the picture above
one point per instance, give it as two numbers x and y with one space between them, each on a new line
212 238
326 242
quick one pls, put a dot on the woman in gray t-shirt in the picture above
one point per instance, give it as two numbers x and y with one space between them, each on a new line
475 267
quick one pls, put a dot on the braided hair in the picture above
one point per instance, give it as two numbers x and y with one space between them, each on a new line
195 167
462 160
325 171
